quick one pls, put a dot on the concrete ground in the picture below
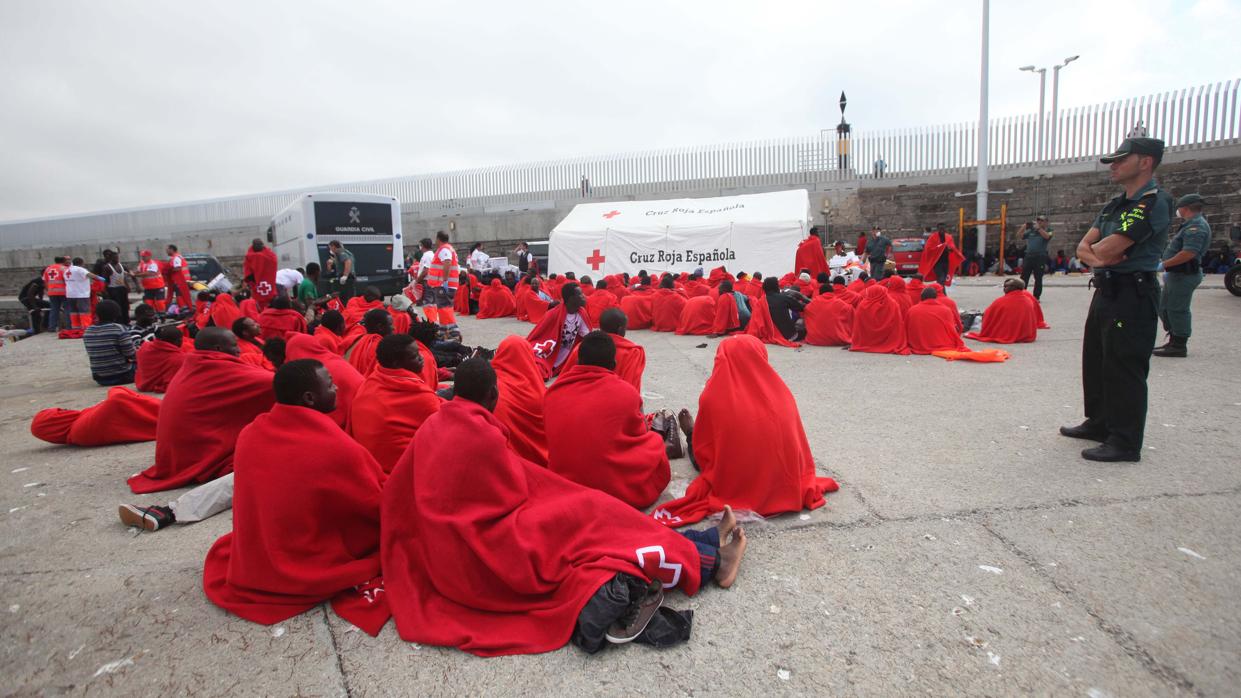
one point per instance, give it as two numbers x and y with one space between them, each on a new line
969 550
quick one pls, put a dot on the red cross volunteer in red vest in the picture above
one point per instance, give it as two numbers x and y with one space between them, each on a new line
54 282
151 277
443 277
178 278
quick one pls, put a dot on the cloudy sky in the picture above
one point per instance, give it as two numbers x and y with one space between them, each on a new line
126 102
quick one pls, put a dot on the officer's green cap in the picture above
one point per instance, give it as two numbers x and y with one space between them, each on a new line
1190 200
1136 146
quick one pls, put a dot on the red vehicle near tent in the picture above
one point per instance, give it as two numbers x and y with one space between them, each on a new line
906 253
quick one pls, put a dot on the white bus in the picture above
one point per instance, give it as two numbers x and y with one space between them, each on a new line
368 225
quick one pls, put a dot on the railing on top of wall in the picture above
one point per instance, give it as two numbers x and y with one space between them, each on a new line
1187 119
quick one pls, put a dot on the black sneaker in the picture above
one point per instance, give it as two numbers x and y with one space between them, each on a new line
147 518
639 615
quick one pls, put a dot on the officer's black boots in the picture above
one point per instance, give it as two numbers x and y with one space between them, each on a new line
1110 453
1086 430
1176 348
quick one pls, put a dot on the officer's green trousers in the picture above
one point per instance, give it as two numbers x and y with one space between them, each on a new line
1178 291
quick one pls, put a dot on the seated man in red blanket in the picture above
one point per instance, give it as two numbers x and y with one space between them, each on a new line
596 433
564 325
488 552
600 301
1012 318
279 319
305 515
878 325
331 331
522 394
496 300
755 458
159 360
666 305
630 357
393 401
931 326
249 342
829 319
208 402
361 353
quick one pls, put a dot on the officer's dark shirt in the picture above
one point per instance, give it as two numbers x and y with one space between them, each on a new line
879 246
782 308
1144 219
1035 243
1194 235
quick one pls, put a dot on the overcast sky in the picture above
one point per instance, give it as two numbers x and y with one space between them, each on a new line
109 104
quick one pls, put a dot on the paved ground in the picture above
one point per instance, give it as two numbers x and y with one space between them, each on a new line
969 551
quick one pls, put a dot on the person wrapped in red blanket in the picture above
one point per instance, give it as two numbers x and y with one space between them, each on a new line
637 307
940 258
698 316
1013 318
123 417
522 393
878 326
599 301
305 513
207 404
810 256
756 458
361 352
358 306
279 319
250 342
829 319
331 331
930 326
488 552
630 357
597 435
554 337
159 360
666 306
224 311
393 400
346 377
496 301
259 273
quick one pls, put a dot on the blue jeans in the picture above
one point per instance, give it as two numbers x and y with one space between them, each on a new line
56 309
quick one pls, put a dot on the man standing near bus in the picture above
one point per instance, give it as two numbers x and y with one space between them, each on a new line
151 277
178 279
54 282
342 262
442 280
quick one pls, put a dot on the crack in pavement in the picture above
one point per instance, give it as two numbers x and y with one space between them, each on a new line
1123 638
338 663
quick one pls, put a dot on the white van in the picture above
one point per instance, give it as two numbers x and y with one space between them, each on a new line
368 225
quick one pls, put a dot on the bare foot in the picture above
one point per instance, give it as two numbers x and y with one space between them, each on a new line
730 559
727 523
686 422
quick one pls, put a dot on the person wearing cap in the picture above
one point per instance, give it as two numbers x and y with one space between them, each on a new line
1122 248
151 278
1036 236
877 253
1182 260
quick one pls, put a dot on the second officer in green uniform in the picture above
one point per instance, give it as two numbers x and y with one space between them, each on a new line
1182 260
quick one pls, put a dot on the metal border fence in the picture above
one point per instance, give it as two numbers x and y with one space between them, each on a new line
1187 119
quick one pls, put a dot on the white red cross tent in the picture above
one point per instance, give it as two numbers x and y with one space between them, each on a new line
750 232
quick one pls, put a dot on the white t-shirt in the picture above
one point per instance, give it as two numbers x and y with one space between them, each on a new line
478 260
288 278
77 283
424 266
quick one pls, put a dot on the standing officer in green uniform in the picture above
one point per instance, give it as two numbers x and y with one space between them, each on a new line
1182 260
1035 262
1123 249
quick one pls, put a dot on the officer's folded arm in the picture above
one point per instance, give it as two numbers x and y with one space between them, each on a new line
1085 253
1111 249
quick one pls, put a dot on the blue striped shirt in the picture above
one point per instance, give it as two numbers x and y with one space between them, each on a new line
110 348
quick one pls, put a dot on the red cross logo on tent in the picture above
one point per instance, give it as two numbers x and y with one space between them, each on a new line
656 566
595 260
611 214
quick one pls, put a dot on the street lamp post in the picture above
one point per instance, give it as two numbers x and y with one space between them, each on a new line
842 137
1055 98
984 127
1042 94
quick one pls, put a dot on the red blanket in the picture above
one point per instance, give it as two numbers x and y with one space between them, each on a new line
666 307
519 301
496 301
717 275
249 308
944 300
937 246
305 524
598 302
535 307
755 459
1038 311
597 436
224 311
401 320
461 301
388 409
898 292
329 339
913 289
357 307
361 354
726 316
208 402
262 266
430 370
829 321
929 328
1010 319
252 354
495 555
158 361
346 377
698 316
763 327
545 339
878 327
522 392
637 307
281 323
123 417
630 361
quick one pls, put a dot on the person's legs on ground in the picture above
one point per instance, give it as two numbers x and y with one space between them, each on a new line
1127 334
118 379
1095 426
120 295
56 307
444 298
198 504
1038 267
